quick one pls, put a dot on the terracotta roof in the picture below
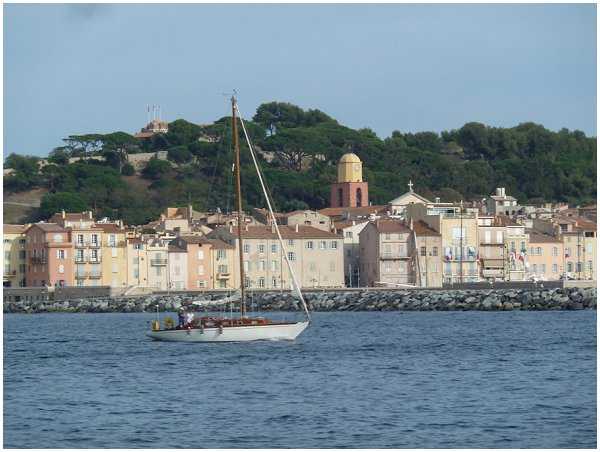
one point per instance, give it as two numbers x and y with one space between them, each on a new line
390 226
536 237
352 211
15 228
50 227
72 216
175 249
220 244
421 228
287 232
109 227
503 220
195 239
348 223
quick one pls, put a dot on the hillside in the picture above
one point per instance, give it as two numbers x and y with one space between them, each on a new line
298 151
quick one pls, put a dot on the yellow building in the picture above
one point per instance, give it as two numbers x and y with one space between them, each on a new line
545 257
14 255
114 255
225 265
580 251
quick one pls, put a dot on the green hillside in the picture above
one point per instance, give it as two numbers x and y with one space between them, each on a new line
298 151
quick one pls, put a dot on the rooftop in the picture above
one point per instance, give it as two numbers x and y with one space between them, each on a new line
421 228
15 228
390 226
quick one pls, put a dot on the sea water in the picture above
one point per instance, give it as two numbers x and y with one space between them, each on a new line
363 379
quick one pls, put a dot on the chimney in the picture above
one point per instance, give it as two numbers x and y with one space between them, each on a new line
90 214
63 214
272 228
246 228
230 229
437 199
411 224
296 227
190 210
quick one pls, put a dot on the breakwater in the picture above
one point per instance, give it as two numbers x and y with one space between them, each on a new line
368 300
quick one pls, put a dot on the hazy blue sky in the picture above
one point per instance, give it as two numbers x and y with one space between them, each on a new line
93 68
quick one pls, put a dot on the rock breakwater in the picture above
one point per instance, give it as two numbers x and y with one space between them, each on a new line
368 300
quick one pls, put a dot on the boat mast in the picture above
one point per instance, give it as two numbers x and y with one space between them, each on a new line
236 146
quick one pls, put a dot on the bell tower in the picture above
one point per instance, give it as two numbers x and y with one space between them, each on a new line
349 190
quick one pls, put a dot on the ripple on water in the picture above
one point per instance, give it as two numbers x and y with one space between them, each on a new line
441 380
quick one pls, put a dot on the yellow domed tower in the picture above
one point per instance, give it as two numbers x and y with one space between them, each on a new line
349 190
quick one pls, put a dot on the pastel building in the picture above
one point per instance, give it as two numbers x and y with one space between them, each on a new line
492 251
315 255
178 267
114 251
428 255
157 262
15 263
49 254
545 257
199 262
459 230
350 231
386 254
225 265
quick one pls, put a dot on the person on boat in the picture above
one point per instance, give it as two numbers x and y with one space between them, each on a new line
189 318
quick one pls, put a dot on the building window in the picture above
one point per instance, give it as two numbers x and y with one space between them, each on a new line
94 255
220 254
555 251
434 251
274 282
292 256
323 245
348 234
58 238
200 269
340 197
423 251
291 242
158 270
80 239
94 239
22 254
387 237
261 282
274 265
246 266
112 240
332 266
543 268
246 282
309 245
222 269
60 254
261 249
579 267
222 284
569 266
590 266
334 245
200 254
534 268
246 248
554 268
263 265
539 251
358 197
274 248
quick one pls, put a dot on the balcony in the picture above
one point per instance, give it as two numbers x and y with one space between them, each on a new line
94 275
82 244
80 275
158 262
116 244
224 275
9 272
79 260
95 260
95 244
386 256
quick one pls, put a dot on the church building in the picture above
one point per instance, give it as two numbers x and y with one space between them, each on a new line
349 190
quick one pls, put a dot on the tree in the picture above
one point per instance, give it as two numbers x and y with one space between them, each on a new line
83 145
55 202
156 168
128 170
59 156
179 154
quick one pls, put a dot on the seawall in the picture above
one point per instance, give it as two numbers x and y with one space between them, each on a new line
397 300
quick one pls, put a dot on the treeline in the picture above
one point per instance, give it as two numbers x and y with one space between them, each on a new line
299 151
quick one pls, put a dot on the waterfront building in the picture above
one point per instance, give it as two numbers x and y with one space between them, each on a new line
315 255
545 257
516 249
386 255
428 255
178 267
350 231
225 265
493 257
458 228
157 262
114 253
49 254
580 250
15 263
350 190
199 261
137 258
501 204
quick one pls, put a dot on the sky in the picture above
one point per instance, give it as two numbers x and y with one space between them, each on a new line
73 69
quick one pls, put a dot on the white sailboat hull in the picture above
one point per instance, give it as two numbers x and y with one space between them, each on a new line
276 332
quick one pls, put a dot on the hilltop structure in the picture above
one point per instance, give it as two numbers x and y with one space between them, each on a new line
350 190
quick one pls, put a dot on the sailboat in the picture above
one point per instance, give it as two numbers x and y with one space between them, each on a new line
242 328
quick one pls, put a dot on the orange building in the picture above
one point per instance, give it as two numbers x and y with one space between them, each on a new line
49 255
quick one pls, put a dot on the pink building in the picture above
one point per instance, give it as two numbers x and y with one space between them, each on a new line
199 262
49 255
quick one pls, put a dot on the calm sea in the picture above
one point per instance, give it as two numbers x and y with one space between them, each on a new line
432 379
